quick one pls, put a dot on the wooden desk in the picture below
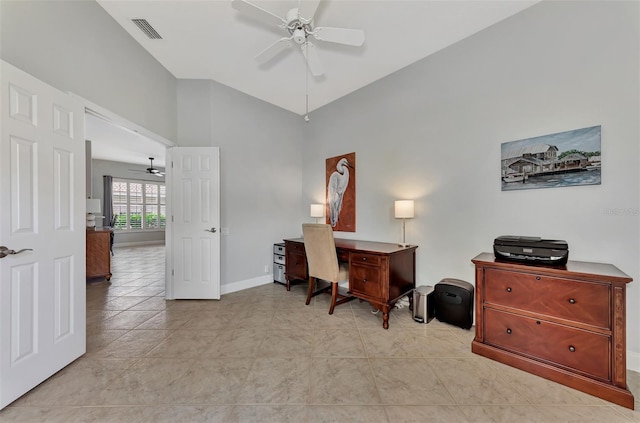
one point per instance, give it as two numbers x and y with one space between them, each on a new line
379 272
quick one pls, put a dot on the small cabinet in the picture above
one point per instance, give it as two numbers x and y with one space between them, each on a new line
565 323
279 263
99 253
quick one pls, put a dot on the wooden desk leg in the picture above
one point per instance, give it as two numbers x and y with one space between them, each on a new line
385 316
288 284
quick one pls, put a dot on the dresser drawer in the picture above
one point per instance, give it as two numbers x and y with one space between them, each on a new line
576 349
278 249
278 259
584 302
365 280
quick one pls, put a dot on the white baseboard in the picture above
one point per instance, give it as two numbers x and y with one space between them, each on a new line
245 284
138 243
633 361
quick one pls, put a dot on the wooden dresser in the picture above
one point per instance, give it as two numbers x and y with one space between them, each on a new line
379 272
563 323
99 253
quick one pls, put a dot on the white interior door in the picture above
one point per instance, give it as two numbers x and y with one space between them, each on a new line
42 207
193 235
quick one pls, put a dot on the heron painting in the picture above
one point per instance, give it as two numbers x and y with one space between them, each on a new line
341 192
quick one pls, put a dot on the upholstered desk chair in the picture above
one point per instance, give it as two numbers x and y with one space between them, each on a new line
322 260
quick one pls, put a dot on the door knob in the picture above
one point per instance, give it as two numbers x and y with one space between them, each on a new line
4 251
212 230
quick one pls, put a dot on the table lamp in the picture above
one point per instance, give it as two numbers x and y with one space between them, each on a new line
93 211
317 211
404 210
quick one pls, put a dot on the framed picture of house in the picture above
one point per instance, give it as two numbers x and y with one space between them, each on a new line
557 160
341 192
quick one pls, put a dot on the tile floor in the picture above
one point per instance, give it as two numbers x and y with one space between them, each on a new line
261 355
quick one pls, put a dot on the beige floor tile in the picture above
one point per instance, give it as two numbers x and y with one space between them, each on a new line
394 342
212 381
168 320
428 414
187 344
342 318
146 382
286 343
544 414
153 303
136 343
299 318
235 342
98 340
473 381
348 413
77 384
408 381
342 381
127 319
335 342
277 381
268 414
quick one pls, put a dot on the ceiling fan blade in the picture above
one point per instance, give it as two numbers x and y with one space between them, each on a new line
273 50
257 12
351 37
313 61
307 9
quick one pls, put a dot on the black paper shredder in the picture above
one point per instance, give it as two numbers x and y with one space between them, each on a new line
454 302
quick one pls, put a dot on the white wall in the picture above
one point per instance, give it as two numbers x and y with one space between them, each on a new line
432 132
260 172
99 168
77 47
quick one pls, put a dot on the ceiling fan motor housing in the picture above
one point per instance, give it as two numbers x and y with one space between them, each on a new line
296 27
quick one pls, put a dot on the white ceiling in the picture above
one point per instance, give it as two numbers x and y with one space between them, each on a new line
209 39
114 143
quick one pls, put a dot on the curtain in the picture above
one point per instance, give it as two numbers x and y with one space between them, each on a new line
109 218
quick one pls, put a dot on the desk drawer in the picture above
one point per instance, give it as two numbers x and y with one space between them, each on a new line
363 258
365 280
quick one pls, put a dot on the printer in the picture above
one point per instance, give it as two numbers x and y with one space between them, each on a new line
533 250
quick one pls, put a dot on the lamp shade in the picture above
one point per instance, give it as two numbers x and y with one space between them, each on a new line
317 210
93 205
404 209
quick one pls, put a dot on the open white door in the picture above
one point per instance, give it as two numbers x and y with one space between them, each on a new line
193 223
42 208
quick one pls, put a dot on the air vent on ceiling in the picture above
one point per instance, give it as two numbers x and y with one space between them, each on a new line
147 28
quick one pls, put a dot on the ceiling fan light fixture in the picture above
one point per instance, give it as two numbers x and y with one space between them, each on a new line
299 35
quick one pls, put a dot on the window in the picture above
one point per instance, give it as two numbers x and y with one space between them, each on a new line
139 205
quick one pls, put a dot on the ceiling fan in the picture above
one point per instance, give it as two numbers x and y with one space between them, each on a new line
300 26
150 170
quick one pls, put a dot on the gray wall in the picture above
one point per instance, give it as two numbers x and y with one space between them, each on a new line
77 47
260 171
99 168
432 132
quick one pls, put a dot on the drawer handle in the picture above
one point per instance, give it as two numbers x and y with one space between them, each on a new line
537 278
364 259
508 331
364 281
572 301
572 348
509 289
